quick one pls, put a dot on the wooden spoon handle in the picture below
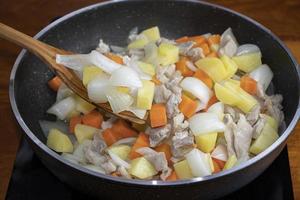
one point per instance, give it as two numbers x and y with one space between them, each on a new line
37 47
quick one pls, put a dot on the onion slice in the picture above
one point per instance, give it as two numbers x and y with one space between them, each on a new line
118 101
63 92
198 163
246 49
62 108
263 75
117 160
104 62
126 77
97 88
220 152
75 62
218 109
203 123
140 113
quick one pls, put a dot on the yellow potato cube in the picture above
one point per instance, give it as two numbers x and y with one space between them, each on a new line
89 73
83 106
168 54
230 66
226 95
206 142
271 121
248 62
183 170
147 68
213 67
142 168
84 132
138 44
59 141
145 95
121 150
152 34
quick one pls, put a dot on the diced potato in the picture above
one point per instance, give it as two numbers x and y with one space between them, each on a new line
59 141
271 121
206 142
230 162
84 132
152 34
183 170
213 67
235 82
89 73
147 68
142 168
226 95
168 54
125 90
121 150
230 66
83 106
145 95
138 44
266 138
248 62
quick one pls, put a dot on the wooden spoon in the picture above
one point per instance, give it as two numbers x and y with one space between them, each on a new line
48 53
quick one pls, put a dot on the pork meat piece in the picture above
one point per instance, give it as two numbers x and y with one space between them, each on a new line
229 134
158 135
182 143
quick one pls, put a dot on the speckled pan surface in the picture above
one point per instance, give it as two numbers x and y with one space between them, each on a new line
81 30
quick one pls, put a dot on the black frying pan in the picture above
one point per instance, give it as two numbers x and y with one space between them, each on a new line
80 31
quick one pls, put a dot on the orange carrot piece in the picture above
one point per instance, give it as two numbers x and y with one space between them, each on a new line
73 122
205 48
182 67
172 177
248 84
158 115
115 58
141 141
212 54
201 75
187 106
94 119
217 168
55 83
211 101
155 80
220 163
182 39
122 128
116 174
110 137
214 39
164 147
199 39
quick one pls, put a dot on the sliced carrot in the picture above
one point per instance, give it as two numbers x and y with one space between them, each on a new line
115 58
214 39
182 67
141 141
123 129
201 75
217 168
248 84
158 115
172 177
220 163
212 54
211 101
73 122
182 39
155 80
199 39
164 147
110 137
55 83
187 106
204 46
93 118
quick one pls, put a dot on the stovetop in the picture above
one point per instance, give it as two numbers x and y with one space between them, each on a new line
32 181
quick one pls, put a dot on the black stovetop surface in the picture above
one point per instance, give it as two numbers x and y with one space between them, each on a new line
32 181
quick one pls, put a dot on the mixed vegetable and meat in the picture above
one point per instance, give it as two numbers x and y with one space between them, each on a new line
205 95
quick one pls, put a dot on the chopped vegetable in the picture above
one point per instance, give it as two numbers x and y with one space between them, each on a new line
115 58
152 34
83 106
213 67
84 132
198 40
201 75
248 84
94 119
120 150
59 142
110 137
218 109
118 101
198 163
262 75
62 108
147 68
211 101
126 77
220 153
248 62
172 177
182 169
145 95
141 141
138 44
212 54
168 54
203 123
166 148
89 73
214 39
142 168
229 65
205 48
97 88
122 128
187 106
55 83
182 39
155 81
181 66
206 142
73 122
158 115
231 162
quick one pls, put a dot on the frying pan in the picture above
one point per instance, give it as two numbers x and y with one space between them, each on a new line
80 32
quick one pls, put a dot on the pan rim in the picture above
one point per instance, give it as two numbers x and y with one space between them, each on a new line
56 156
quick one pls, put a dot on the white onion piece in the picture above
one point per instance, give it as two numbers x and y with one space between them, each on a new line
228 43
104 62
140 113
196 88
118 101
127 141
203 123
151 55
117 160
191 66
95 168
200 106
134 65
62 108
263 75
97 88
198 163
75 62
63 92
126 77
247 48
218 109
226 36
220 153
